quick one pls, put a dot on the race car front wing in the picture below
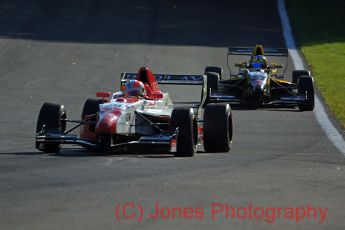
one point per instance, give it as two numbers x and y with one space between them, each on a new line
165 141
224 96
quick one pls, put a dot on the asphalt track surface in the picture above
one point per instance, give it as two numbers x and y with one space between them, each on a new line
65 51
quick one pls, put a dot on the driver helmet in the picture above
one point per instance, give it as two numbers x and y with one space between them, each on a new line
134 88
259 61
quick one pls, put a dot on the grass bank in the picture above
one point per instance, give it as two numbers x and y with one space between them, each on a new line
319 29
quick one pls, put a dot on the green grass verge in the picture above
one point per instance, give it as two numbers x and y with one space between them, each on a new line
319 29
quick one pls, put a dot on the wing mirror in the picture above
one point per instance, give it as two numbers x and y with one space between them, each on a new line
241 65
277 66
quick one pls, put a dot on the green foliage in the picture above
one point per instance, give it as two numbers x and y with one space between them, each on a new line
318 27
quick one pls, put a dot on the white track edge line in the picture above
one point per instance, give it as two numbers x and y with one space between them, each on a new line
321 116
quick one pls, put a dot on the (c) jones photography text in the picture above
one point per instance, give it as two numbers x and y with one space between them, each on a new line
135 211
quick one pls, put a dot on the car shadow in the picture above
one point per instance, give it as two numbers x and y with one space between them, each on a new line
76 152
287 108
138 22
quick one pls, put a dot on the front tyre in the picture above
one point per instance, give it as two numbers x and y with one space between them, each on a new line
213 80
185 121
296 74
217 128
306 89
52 117
214 69
212 83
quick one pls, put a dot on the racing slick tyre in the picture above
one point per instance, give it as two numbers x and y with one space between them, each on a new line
306 88
212 80
187 137
297 73
212 84
91 106
51 116
217 128
214 69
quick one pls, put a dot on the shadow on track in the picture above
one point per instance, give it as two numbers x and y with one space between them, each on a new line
68 152
265 108
195 22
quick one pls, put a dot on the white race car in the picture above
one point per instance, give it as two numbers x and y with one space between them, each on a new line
142 123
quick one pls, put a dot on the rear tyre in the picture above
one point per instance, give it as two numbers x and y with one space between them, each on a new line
91 106
217 128
185 121
297 73
51 116
214 69
212 84
306 88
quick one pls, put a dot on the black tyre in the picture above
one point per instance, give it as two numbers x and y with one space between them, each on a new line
212 84
212 80
297 73
91 106
185 121
217 128
51 117
306 88
214 69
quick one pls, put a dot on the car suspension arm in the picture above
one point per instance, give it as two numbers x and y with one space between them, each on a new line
150 122
80 123
283 87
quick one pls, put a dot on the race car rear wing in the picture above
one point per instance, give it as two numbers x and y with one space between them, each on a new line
278 52
171 79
